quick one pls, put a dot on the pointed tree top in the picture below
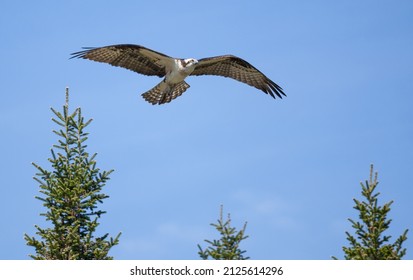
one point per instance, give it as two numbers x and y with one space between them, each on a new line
67 98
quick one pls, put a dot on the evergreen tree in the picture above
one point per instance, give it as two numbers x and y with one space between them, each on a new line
370 243
227 247
71 192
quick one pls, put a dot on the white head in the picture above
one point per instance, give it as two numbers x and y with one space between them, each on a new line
189 62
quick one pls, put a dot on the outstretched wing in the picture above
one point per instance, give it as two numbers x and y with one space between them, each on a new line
133 57
236 68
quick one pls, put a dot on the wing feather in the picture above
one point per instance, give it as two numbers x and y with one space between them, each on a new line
231 66
133 57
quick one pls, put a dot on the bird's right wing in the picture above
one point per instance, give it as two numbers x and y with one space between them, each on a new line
133 57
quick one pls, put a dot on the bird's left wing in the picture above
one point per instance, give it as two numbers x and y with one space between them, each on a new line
236 68
133 57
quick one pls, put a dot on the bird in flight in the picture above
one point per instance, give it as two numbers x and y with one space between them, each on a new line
174 70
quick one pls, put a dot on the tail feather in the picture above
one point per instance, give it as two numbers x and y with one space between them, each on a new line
165 93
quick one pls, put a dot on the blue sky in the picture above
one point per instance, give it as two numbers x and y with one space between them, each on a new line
289 167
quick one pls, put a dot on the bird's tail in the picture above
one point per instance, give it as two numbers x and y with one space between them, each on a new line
164 92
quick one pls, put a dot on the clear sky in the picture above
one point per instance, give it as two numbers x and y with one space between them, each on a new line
289 167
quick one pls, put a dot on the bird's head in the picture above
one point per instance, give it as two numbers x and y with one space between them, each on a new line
188 65
190 62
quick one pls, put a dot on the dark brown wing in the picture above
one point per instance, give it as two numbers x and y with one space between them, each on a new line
133 57
236 68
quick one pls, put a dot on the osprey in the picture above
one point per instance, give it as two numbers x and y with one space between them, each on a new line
174 70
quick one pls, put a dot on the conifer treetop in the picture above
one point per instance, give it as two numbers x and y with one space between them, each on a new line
370 241
71 192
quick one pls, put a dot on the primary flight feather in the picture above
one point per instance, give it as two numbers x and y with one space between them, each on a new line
174 70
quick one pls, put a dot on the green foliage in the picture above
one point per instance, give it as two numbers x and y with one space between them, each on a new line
71 193
227 247
370 243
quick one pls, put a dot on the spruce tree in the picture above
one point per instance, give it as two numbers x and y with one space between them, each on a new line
71 193
228 246
370 242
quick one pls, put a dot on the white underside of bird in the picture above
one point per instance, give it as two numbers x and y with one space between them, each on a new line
173 85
